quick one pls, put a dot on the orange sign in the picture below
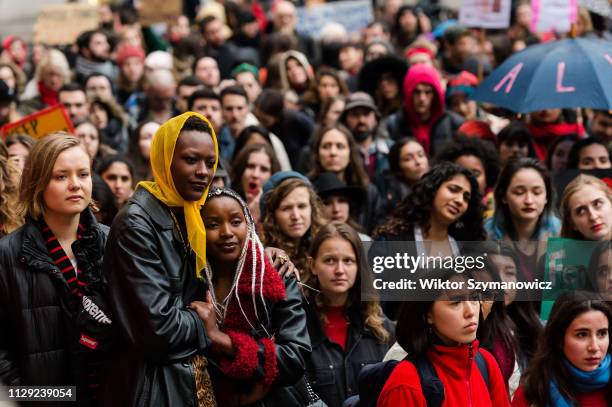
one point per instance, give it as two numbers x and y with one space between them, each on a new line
41 123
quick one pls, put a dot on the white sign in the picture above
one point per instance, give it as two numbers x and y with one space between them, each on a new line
485 13
353 15
553 15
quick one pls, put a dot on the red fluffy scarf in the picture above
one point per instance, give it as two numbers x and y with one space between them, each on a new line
245 361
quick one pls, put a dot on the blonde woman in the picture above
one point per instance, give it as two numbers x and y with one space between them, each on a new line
47 268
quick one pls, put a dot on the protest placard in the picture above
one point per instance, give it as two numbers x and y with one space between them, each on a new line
553 15
160 11
60 24
41 123
353 15
485 13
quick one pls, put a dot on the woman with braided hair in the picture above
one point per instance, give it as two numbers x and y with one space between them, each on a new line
260 311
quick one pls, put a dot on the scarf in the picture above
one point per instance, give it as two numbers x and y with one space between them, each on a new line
243 315
47 96
583 382
162 152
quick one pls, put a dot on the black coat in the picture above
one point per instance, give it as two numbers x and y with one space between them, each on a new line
442 130
334 373
151 279
39 339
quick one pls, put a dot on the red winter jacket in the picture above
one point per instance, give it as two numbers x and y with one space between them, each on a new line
464 385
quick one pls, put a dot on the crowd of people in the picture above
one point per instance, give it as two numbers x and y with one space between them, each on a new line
200 238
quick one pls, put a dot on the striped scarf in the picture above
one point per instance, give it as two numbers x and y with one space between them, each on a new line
62 261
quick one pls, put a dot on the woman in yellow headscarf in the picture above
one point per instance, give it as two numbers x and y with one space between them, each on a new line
153 261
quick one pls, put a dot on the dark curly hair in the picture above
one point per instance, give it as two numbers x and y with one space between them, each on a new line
469 146
416 208
274 236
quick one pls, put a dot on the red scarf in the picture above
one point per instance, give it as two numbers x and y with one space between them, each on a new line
238 328
47 96
544 135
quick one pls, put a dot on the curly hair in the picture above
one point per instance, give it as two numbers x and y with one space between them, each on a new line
370 310
10 219
463 146
354 173
416 208
274 236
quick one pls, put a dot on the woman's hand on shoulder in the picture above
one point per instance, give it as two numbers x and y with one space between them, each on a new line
281 262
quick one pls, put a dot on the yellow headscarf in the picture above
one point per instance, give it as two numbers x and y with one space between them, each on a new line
162 152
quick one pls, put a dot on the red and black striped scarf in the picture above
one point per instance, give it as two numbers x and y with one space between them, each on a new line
62 261
72 277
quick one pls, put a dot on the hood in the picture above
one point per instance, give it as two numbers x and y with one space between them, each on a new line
422 73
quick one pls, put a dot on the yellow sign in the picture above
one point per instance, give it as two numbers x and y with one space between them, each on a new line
40 124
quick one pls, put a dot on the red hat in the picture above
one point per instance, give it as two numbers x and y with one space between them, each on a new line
464 78
129 51
478 129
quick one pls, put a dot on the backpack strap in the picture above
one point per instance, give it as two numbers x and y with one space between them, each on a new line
431 385
483 367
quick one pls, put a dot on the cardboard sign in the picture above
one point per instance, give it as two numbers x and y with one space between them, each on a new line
41 123
61 24
159 11
553 15
485 13
353 15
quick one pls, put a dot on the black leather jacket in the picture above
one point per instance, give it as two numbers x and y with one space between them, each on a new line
38 338
151 281
333 372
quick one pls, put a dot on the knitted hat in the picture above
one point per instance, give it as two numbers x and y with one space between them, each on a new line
129 51
275 181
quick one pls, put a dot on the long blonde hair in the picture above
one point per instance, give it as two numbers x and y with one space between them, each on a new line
582 180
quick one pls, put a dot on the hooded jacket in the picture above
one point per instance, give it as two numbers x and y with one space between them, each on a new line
464 385
441 124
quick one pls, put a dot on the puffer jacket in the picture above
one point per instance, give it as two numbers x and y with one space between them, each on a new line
151 279
39 339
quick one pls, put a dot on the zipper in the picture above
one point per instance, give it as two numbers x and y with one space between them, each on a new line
468 388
